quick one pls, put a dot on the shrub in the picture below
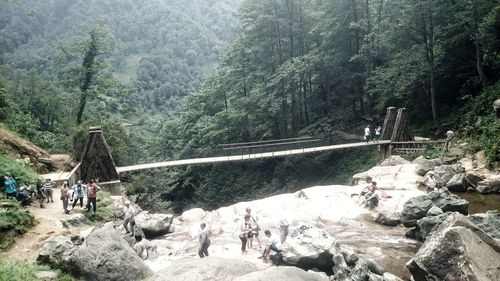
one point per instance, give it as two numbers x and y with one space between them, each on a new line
19 171
19 270
14 220
103 213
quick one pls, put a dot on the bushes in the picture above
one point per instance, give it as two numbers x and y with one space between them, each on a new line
19 171
14 220
103 213
18 270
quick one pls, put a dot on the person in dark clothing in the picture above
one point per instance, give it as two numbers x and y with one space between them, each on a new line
204 239
246 228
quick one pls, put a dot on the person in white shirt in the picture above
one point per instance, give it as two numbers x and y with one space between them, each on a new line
274 244
204 240
129 212
449 139
368 133
141 247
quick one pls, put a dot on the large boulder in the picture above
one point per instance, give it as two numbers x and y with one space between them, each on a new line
74 220
209 269
309 250
281 273
488 186
153 225
423 165
457 183
445 173
53 250
472 179
488 222
427 224
388 220
106 256
394 160
457 250
415 209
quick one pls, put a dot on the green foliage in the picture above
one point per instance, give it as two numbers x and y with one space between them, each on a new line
103 213
14 220
20 270
19 171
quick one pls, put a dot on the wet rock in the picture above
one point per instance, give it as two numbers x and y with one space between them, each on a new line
53 250
374 267
449 202
309 250
388 220
434 211
391 277
423 165
349 256
106 256
394 160
457 249
210 269
415 209
281 273
488 222
340 268
457 183
375 277
472 179
427 224
153 225
488 186
445 173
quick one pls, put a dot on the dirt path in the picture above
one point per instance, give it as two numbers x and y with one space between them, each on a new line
49 225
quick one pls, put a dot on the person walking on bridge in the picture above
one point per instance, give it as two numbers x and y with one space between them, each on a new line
92 195
367 134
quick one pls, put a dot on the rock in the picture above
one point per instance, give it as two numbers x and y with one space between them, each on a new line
444 173
423 165
391 277
394 160
340 268
374 267
388 220
489 223
457 250
281 273
375 277
46 161
153 225
457 183
415 209
53 250
434 211
398 177
427 224
309 250
47 275
106 256
472 179
418 207
488 186
449 202
209 269
74 220
193 215
349 256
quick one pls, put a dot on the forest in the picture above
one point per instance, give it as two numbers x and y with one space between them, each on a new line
175 79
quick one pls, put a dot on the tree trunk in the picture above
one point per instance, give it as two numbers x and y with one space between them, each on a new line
88 74
477 46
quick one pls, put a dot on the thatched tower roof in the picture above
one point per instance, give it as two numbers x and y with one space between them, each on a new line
96 160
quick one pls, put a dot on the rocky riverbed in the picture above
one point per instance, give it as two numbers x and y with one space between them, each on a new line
344 240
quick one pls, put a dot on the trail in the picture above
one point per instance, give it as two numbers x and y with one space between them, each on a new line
49 225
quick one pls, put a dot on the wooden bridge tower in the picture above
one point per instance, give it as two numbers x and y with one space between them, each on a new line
396 129
96 161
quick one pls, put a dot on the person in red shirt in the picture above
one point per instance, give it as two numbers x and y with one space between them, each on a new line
92 195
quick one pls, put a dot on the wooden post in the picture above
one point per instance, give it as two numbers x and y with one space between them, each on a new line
402 130
389 120
97 162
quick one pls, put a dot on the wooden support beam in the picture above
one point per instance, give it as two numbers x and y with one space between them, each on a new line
389 121
402 130
97 162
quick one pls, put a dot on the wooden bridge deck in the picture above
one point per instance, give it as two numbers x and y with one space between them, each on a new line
233 158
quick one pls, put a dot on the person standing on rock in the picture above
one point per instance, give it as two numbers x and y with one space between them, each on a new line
284 229
274 244
92 195
255 229
10 185
204 240
79 192
129 212
449 139
246 227
65 195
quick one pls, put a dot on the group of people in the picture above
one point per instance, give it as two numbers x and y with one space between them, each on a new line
374 136
370 195
250 230
44 190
